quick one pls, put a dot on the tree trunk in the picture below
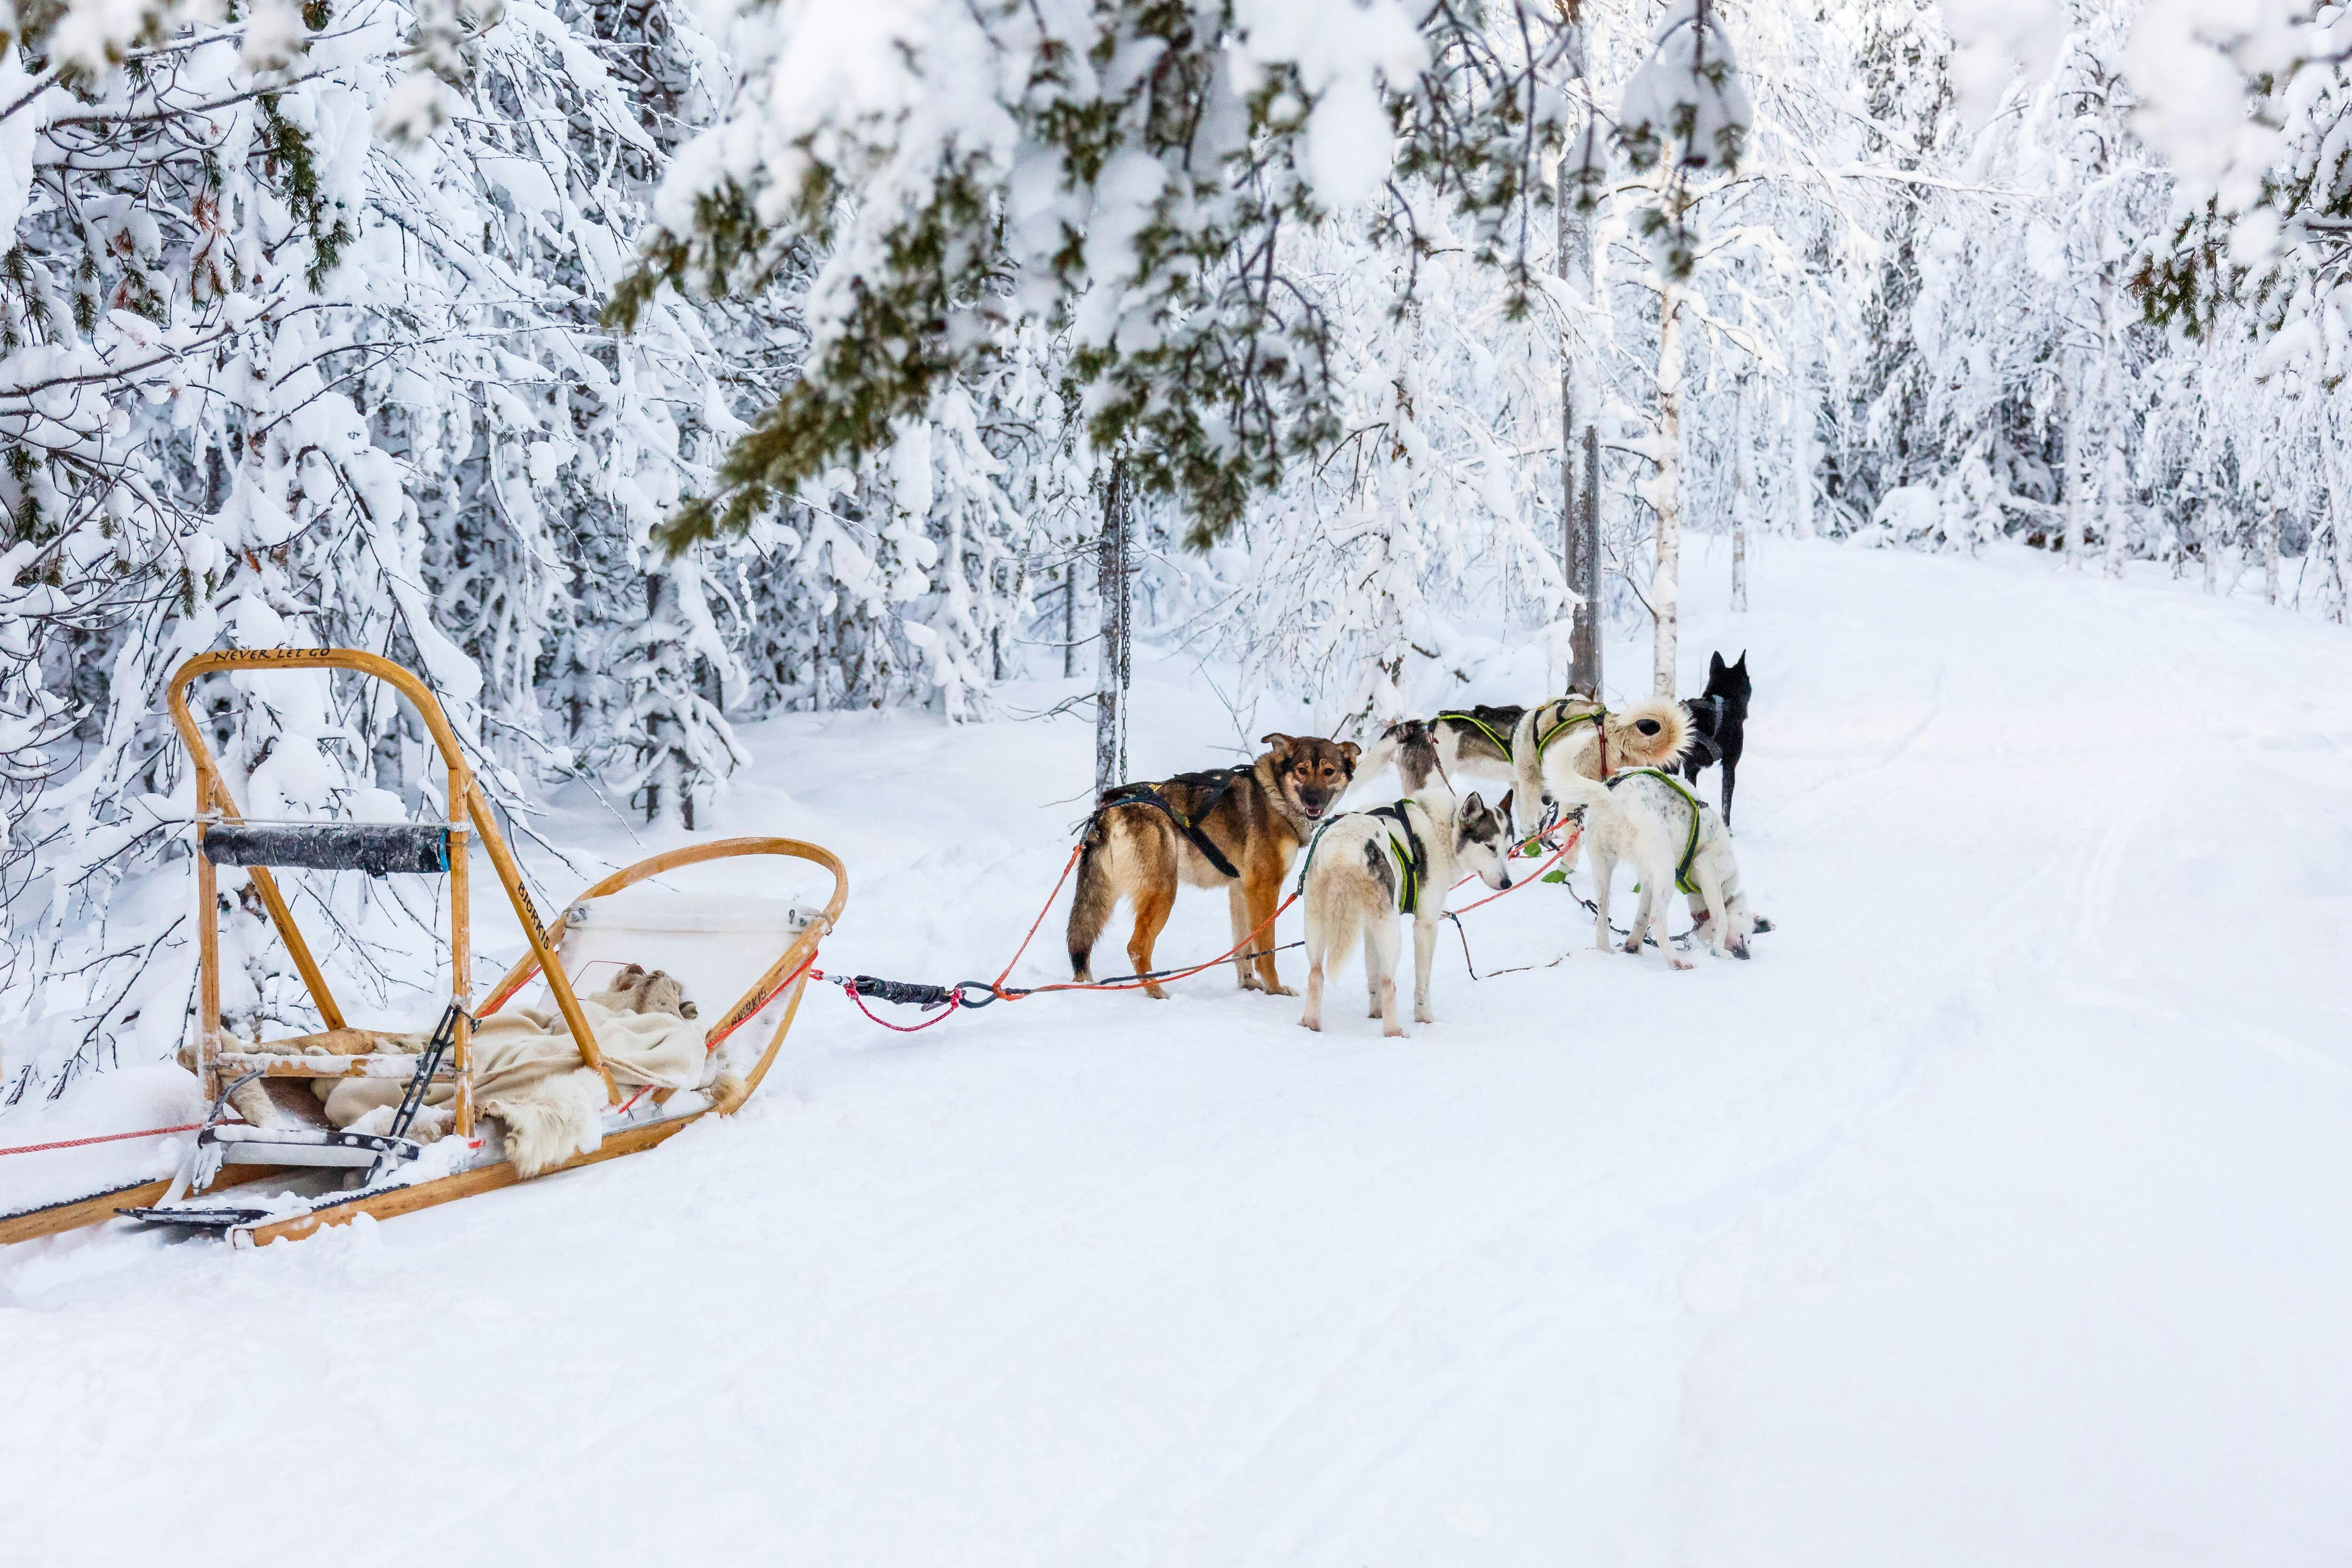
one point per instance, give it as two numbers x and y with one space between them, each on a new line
2110 485
2089 411
1804 416
2078 474
1592 586
1111 657
2111 514
1070 621
657 732
1578 437
2337 500
2270 519
1665 593
2343 560
1743 482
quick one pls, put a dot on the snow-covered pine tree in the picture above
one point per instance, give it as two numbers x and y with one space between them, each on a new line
266 378
1126 172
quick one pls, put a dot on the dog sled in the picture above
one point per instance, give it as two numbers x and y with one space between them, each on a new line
254 1183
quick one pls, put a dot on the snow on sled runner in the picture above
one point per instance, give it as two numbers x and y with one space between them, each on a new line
262 1184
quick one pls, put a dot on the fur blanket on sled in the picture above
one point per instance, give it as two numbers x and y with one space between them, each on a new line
527 1074
527 1071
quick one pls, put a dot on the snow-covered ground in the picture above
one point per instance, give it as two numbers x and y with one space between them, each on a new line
1995 1213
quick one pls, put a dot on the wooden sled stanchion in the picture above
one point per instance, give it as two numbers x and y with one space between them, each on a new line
254 1216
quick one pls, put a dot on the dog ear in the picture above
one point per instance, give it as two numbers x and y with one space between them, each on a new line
1280 742
689 1010
632 973
1472 804
1714 664
1503 806
1349 750
1743 661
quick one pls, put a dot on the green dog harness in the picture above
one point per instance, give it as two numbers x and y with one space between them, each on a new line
1409 869
1455 716
1690 844
1412 870
1568 722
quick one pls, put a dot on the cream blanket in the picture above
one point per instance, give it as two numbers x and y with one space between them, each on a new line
526 1073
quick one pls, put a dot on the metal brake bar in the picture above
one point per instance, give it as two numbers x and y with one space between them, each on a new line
428 1062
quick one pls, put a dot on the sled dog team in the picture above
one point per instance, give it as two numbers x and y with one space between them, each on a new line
1242 828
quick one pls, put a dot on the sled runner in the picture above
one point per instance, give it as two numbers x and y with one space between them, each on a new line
258 1183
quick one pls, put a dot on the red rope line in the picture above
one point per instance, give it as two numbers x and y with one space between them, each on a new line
1535 876
1158 977
953 1003
102 1138
1077 849
782 986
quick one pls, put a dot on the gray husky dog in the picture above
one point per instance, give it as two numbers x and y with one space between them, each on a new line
1368 867
1675 839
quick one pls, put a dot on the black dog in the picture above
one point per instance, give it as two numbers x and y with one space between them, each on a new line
1719 723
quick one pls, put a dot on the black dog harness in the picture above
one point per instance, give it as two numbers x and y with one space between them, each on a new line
1218 782
1690 844
1708 736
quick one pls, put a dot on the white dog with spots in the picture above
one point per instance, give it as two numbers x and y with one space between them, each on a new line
1674 838
1367 867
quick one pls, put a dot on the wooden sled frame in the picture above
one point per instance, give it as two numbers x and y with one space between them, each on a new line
468 812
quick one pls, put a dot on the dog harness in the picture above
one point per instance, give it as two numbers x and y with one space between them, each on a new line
1708 739
1690 844
1218 782
1456 716
1413 868
1565 721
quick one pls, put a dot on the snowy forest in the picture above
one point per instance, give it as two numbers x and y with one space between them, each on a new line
634 369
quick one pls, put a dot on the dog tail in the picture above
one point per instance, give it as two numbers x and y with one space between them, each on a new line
1334 920
1648 734
1398 743
1091 904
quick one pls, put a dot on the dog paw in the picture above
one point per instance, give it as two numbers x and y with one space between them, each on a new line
1155 991
1280 991
1395 1032
1314 1023
1424 1016
1760 923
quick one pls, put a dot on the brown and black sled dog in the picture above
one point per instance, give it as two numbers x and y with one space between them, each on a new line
1236 827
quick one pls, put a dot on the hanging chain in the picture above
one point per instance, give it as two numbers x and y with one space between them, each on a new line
1126 513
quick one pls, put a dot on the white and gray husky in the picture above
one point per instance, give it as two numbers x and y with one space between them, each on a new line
1367 867
1675 839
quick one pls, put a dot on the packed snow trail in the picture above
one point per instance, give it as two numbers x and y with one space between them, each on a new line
1994 1213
